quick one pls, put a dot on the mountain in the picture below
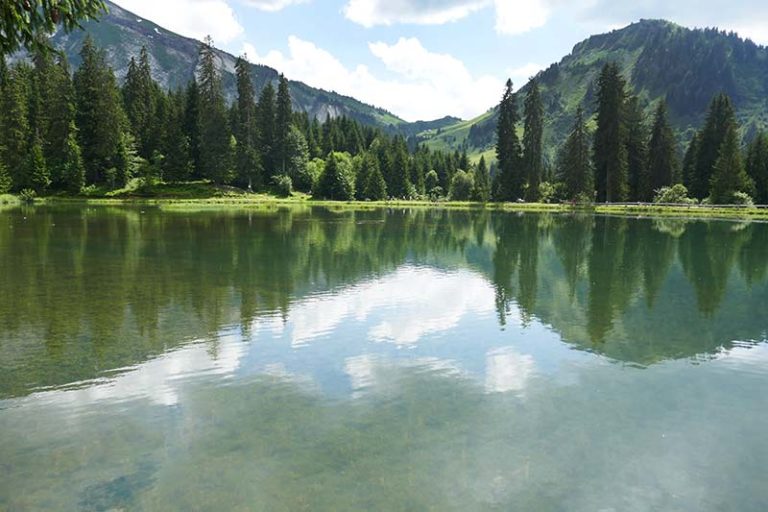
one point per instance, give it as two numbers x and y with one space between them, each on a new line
659 59
174 59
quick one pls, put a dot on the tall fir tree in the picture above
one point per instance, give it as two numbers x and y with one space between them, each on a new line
757 166
482 191
533 161
215 137
247 161
35 169
728 174
610 150
399 185
192 125
637 152
71 173
62 131
99 115
14 132
690 160
266 123
138 100
719 120
283 116
177 164
508 153
663 162
575 163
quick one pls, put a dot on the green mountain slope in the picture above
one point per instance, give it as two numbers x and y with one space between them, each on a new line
174 59
659 59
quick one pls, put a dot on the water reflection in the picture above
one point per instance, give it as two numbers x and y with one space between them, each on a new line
305 359
89 291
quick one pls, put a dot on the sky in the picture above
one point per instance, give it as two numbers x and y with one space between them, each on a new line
425 59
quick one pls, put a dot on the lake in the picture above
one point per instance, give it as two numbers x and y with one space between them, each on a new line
311 359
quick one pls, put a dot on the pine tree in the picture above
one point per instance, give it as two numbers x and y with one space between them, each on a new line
99 115
177 164
507 149
637 153
690 160
482 190
283 116
61 115
337 181
719 120
192 125
14 133
266 123
532 140
5 179
71 172
399 185
215 137
248 161
35 169
371 184
575 166
728 175
662 155
757 166
610 151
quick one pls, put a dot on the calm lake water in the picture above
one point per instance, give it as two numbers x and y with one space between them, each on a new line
305 359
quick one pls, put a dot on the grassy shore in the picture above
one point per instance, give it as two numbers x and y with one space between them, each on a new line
194 196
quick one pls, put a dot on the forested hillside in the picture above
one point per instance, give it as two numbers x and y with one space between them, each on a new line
659 60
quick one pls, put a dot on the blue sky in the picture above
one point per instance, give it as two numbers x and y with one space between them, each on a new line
424 59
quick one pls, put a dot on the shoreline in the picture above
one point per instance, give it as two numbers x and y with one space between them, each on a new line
263 201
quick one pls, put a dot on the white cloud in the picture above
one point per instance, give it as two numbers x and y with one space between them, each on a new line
192 19
387 12
512 17
422 85
522 74
519 17
273 5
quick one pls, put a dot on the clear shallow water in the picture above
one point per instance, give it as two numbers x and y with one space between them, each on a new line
404 360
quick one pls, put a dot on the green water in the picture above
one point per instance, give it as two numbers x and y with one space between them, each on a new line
304 359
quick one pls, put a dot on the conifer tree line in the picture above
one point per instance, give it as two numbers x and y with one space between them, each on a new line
64 131
627 157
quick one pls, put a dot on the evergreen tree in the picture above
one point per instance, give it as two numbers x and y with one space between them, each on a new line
719 120
482 191
266 125
507 149
71 173
61 127
370 184
14 135
637 153
728 175
177 164
575 164
283 116
35 169
610 151
137 98
690 161
757 166
192 125
248 161
337 181
296 154
532 140
662 155
399 185
99 114
215 138
5 179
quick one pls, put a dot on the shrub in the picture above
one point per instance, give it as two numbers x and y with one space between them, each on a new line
462 185
550 192
676 194
743 199
282 184
27 195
